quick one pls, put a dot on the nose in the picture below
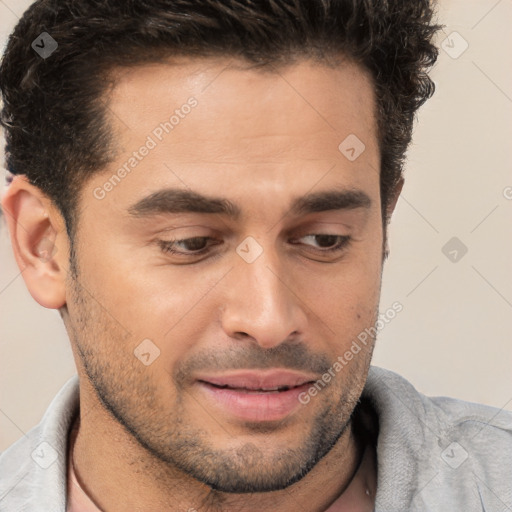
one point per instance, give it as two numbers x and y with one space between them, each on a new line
261 302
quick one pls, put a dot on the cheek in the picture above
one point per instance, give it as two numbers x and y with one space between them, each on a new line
344 301
345 284
162 303
346 306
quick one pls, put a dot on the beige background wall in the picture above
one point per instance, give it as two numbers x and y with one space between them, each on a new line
453 336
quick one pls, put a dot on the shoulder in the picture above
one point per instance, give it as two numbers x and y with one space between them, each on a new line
33 470
393 395
437 451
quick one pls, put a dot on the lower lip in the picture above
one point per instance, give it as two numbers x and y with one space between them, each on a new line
255 406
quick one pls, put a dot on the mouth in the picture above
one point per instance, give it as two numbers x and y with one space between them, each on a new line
253 390
255 396
269 380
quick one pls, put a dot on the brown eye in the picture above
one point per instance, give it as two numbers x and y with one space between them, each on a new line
328 243
195 245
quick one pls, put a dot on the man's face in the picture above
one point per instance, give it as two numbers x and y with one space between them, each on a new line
186 349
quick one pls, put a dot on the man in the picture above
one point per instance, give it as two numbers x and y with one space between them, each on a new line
202 190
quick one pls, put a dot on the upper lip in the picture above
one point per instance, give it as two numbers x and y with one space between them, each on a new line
259 380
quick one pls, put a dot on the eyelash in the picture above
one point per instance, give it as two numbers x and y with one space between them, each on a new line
167 245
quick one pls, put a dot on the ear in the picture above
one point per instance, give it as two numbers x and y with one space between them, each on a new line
390 208
39 241
393 199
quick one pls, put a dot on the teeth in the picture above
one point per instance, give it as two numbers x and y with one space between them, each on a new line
274 390
270 390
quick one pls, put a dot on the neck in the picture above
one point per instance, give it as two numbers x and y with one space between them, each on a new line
114 469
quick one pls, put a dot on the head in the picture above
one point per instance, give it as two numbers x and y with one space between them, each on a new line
210 184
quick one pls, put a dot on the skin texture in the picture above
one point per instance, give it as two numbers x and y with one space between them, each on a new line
148 434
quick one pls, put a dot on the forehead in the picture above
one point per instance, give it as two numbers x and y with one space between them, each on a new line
258 136
270 111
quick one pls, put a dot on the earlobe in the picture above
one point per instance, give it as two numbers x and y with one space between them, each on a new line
39 241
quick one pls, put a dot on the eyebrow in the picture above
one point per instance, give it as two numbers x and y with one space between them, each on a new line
185 201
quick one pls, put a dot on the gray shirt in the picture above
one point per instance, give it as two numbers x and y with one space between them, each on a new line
433 454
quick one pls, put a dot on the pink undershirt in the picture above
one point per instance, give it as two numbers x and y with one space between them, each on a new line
79 501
